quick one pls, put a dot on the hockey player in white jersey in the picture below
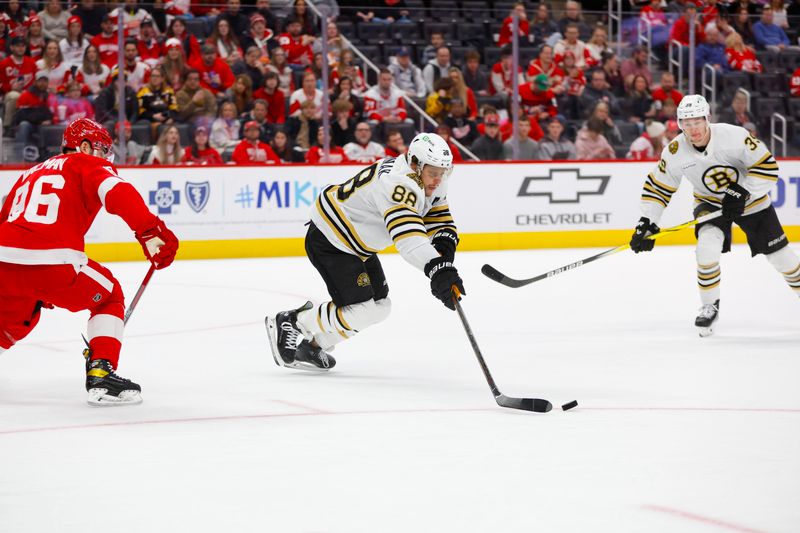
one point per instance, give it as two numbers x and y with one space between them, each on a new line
400 201
729 170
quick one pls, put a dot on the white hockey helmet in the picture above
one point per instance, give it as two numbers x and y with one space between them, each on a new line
693 106
430 149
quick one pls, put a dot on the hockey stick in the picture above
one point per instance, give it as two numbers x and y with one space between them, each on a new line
491 272
138 295
131 307
524 404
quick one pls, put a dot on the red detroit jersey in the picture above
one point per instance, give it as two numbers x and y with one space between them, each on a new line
51 207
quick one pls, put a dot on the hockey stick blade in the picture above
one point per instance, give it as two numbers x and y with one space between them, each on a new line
524 404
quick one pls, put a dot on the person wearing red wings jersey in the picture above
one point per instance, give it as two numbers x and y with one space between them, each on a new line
43 223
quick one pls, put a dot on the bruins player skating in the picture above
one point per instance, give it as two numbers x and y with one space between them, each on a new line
400 201
729 170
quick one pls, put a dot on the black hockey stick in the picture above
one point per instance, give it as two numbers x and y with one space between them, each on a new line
492 273
139 293
524 404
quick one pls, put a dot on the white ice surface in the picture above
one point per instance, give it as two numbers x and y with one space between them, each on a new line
673 432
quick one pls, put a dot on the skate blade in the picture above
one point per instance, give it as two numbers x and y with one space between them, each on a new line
272 331
101 398
308 367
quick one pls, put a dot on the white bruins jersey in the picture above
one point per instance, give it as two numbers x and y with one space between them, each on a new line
384 204
732 156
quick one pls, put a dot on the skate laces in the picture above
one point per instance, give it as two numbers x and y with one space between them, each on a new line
292 334
708 311
111 372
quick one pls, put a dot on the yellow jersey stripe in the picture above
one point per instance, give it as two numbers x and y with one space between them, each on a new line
438 208
432 232
653 190
659 201
390 225
763 160
352 231
399 207
756 174
407 234
663 186
332 224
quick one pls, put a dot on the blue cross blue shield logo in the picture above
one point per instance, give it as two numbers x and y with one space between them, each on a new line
197 195
164 197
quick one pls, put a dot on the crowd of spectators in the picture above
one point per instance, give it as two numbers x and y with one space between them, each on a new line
206 83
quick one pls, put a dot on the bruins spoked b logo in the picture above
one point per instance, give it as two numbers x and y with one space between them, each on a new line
718 178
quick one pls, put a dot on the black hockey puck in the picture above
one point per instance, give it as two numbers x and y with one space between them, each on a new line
569 405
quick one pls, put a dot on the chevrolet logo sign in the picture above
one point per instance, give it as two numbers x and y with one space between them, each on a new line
564 186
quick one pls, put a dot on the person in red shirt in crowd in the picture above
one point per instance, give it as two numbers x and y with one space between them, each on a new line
500 78
794 83
654 13
680 29
395 145
276 101
574 80
200 152
667 90
107 42
191 46
307 92
251 150
545 64
215 74
648 145
740 56
384 102
150 48
35 107
539 99
316 154
17 72
297 46
42 259
35 36
508 25
710 12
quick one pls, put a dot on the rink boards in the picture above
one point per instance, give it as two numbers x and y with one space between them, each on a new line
236 211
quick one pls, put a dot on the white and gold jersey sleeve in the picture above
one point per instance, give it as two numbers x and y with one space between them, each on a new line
380 206
658 188
760 165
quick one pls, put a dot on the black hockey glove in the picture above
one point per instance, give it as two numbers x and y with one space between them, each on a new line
443 276
639 240
734 201
445 241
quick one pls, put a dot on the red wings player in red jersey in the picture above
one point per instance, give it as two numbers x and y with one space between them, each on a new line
42 260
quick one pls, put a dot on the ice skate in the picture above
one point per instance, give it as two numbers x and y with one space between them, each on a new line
308 354
707 318
105 388
289 349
